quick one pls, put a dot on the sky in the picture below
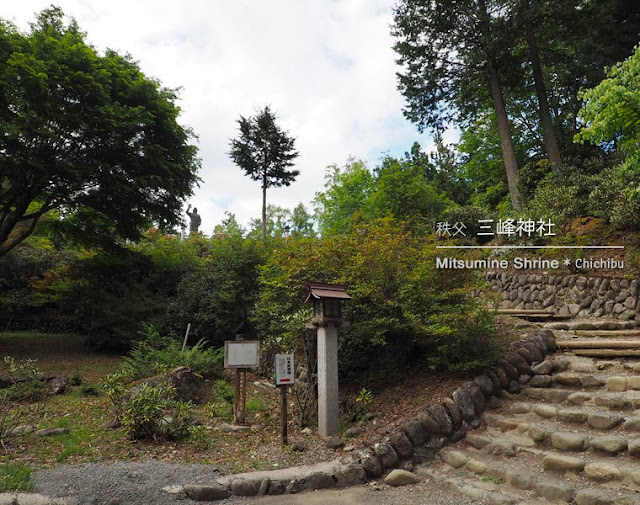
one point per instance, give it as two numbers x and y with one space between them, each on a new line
325 67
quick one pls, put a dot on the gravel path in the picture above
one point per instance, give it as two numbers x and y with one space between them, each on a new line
134 483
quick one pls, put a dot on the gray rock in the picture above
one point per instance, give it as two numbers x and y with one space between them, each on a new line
275 487
295 486
502 377
591 496
441 417
578 398
57 385
401 478
540 433
352 432
454 412
418 430
320 480
573 416
520 408
562 463
604 420
401 444
617 402
477 441
589 381
478 399
556 491
334 443
522 480
387 455
49 432
602 471
350 475
627 315
544 368
634 447
485 384
548 395
609 444
546 411
241 487
519 363
371 464
632 423
567 378
456 459
263 488
465 403
540 381
298 446
510 371
569 441
212 492
502 448
500 499
514 387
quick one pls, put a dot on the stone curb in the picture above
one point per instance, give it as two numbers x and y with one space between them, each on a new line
33 499
418 441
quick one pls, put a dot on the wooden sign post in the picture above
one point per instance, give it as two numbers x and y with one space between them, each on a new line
285 376
241 355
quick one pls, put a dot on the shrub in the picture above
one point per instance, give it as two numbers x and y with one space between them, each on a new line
609 198
15 401
156 354
150 412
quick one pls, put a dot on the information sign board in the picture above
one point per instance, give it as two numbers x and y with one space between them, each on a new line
285 370
242 354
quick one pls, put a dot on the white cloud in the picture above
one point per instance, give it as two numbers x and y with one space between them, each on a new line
326 68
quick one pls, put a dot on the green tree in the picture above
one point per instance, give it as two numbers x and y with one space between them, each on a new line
87 134
452 55
264 152
611 114
345 199
301 221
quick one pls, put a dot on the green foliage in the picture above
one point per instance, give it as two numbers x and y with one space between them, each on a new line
396 290
199 437
255 405
608 198
156 354
611 114
16 407
365 397
124 128
28 383
90 390
15 477
151 412
345 200
265 152
219 297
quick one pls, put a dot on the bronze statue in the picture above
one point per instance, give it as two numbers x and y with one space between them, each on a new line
195 219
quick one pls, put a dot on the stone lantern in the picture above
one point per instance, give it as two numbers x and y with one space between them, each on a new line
327 302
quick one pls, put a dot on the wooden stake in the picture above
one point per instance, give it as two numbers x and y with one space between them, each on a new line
186 336
283 421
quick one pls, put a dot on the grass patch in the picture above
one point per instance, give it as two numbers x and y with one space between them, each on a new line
255 405
15 477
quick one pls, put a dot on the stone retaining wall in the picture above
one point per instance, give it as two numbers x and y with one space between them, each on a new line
568 295
417 441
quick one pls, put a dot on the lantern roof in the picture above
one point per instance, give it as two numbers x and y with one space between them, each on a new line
319 291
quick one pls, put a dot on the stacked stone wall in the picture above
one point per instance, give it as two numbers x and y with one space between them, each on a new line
568 295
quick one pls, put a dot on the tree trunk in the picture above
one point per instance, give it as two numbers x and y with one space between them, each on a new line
550 139
504 129
264 208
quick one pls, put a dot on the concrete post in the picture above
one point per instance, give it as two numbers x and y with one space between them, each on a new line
328 406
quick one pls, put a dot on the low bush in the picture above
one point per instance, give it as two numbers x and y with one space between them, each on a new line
152 412
155 354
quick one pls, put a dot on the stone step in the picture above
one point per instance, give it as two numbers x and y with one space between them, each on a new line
520 480
525 311
595 421
605 324
617 390
608 353
598 344
478 487
606 333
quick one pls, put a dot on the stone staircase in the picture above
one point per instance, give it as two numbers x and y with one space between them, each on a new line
571 436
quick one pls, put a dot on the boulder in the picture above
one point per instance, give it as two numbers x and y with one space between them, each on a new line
441 416
386 454
401 478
